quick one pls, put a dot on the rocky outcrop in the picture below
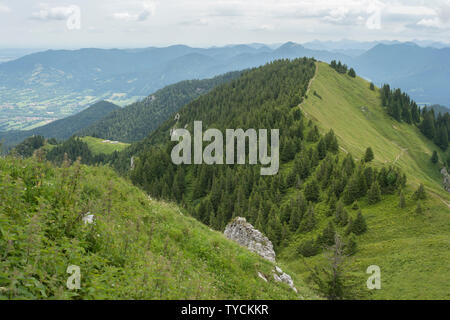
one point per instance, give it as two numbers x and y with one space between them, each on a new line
446 177
280 276
242 232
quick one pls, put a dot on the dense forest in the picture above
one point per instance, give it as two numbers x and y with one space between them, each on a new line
70 150
400 106
136 121
313 173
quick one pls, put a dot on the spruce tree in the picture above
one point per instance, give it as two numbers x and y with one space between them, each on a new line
260 221
332 205
274 227
442 137
420 193
434 157
322 149
359 225
351 246
327 236
368 156
374 195
331 141
312 191
309 221
308 248
352 190
352 73
313 135
341 215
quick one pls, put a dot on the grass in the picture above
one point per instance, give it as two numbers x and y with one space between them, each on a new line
97 146
354 112
411 249
136 249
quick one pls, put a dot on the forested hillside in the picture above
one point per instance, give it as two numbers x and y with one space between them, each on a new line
435 126
321 188
138 120
64 128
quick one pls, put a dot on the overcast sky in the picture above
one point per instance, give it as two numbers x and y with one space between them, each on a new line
142 23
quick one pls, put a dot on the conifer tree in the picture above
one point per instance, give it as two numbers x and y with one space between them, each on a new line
352 73
331 280
312 191
352 189
420 193
341 215
442 137
434 157
331 142
313 135
368 157
322 149
308 248
309 221
274 227
327 236
260 221
351 246
332 205
295 219
358 225
374 195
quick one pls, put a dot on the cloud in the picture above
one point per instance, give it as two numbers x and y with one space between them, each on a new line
196 23
440 20
4 8
431 23
55 13
148 9
444 12
230 9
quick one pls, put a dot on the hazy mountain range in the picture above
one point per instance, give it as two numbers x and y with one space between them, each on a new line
57 83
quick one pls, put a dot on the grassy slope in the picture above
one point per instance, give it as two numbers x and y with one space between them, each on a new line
97 146
137 249
341 108
412 250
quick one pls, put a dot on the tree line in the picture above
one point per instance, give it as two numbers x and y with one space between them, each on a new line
403 109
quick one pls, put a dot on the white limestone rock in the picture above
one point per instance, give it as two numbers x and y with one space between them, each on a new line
262 276
281 276
88 218
242 232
